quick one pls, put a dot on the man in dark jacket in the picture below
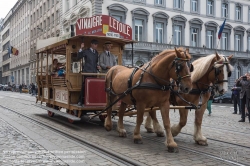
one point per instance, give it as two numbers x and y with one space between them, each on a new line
20 88
236 98
244 83
90 56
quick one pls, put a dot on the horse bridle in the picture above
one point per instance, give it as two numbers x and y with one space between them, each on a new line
179 67
217 71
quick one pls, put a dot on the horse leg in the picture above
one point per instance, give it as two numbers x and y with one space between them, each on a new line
120 126
172 146
139 120
198 137
108 121
176 128
148 124
157 127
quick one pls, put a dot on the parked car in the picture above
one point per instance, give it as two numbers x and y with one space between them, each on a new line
225 98
1 87
7 88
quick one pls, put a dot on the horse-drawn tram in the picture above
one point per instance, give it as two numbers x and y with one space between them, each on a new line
62 88
147 88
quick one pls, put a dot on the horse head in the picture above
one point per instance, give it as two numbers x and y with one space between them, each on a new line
181 69
222 70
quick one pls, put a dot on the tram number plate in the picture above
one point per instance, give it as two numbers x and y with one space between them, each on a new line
61 96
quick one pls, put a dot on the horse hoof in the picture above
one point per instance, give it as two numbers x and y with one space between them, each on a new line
160 134
138 141
173 149
123 135
150 130
202 143
108 128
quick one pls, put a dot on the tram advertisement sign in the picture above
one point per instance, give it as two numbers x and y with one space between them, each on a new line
103 25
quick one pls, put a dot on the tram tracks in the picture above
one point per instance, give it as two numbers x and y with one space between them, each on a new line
189 149
119 159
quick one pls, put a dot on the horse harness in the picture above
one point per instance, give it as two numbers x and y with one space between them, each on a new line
209 88
140 85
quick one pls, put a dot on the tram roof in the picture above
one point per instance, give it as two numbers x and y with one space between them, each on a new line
59 46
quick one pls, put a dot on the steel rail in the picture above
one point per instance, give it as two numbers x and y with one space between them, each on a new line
120 159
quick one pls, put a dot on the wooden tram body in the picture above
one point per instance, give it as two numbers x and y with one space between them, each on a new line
64 91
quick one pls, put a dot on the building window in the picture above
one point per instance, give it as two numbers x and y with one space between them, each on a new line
248 44
239 32
67 5
238 72
211 30
248 14
210 7
237 43
194 37
159 2
224 41
118 11
159 32
138 30
195 29
194 6
160 20
224 10
179 23
210 39
177 35
178 4
238 13
139 22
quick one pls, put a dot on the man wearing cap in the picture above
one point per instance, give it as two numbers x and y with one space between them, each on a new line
90 56
106 59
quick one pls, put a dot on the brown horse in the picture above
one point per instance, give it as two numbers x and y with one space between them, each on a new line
148 87
213 69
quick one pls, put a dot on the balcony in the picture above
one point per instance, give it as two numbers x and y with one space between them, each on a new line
157 47
6 73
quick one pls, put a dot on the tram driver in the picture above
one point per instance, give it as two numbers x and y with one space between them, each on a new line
90 56
107 59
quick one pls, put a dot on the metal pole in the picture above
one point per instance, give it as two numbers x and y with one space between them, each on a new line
132 54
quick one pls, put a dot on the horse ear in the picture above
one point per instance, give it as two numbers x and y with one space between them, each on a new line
230 57
178 54
217 56
187 50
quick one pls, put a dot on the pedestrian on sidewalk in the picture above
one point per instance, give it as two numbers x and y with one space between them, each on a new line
236 98
244 83
33 89
210 100
20 88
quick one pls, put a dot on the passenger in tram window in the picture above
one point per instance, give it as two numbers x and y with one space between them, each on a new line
244 83
90 56
107 59
56 67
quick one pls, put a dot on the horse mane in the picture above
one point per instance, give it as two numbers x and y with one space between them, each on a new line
201 66
164 52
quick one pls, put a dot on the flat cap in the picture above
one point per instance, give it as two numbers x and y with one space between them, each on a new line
107 42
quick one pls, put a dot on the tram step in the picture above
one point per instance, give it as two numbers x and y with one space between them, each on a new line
69 116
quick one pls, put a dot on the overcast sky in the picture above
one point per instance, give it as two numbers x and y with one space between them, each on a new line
5 6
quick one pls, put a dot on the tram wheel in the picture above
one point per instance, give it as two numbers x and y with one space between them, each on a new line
50 114
102 117
70 120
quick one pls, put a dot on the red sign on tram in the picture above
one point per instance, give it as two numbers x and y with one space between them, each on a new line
103 25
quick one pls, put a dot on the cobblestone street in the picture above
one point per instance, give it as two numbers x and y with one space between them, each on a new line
25 143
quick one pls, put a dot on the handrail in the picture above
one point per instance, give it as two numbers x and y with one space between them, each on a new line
91 74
